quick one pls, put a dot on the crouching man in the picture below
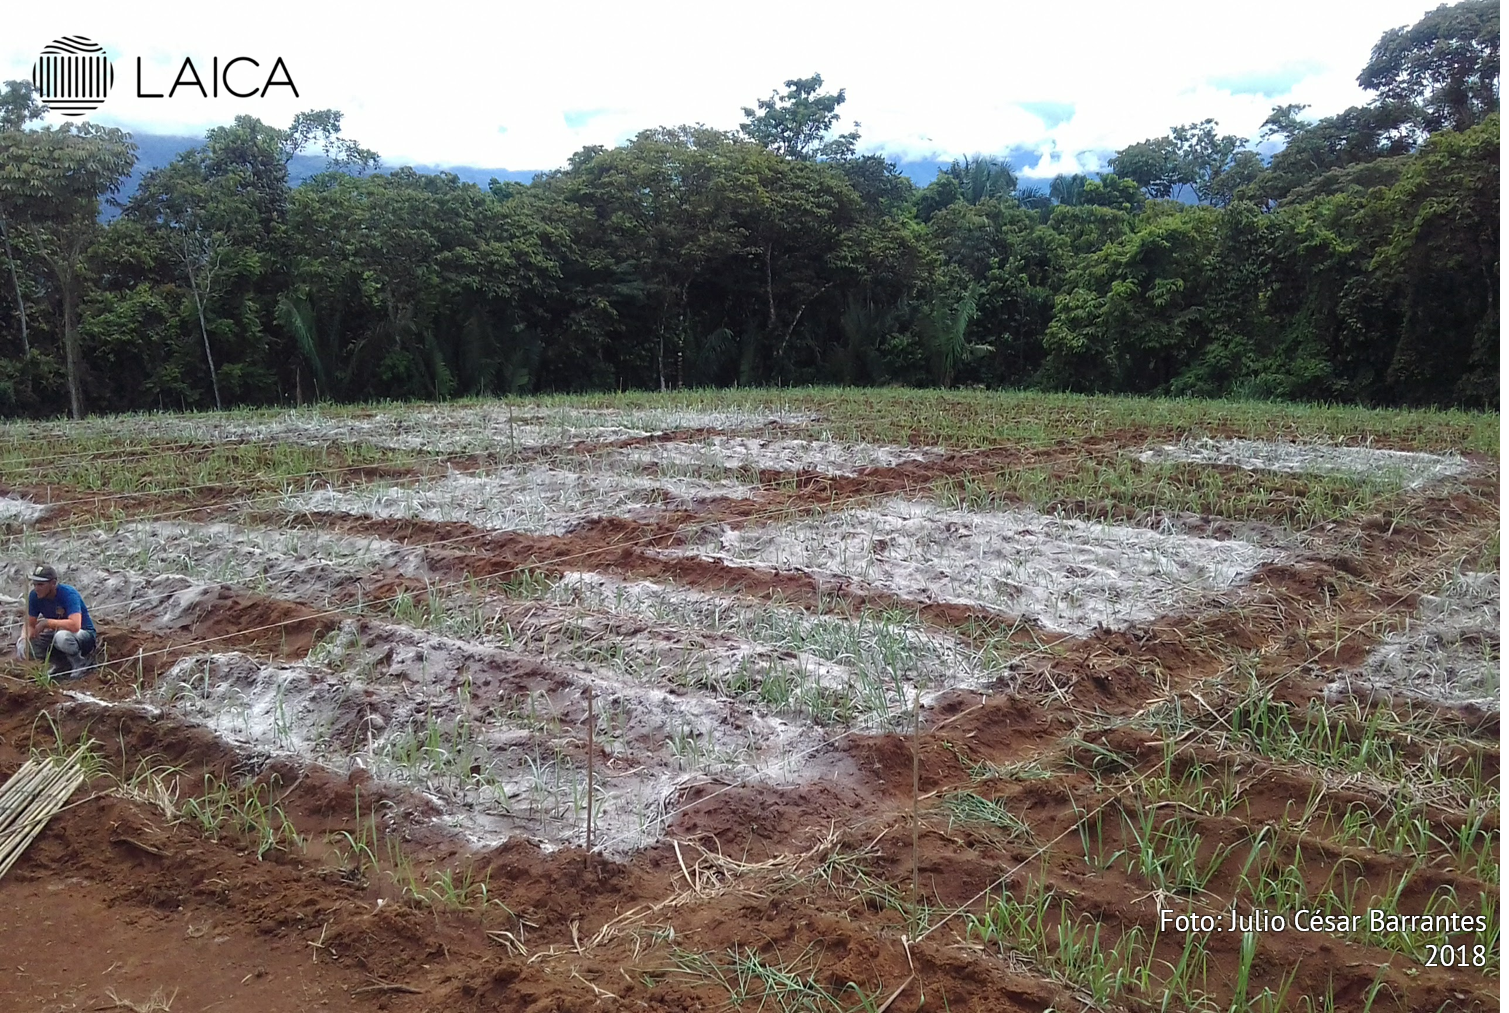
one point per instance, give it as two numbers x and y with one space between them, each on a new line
58 627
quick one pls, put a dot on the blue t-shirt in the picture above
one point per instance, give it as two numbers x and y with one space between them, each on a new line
64 602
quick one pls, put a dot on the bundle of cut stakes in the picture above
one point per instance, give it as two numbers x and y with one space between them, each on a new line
33 796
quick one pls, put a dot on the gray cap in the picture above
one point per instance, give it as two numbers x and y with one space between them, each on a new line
43 573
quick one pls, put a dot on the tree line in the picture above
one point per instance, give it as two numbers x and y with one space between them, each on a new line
1358 263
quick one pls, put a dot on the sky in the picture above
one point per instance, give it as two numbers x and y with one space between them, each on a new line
522 86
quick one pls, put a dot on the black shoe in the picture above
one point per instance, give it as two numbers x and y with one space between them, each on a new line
69 671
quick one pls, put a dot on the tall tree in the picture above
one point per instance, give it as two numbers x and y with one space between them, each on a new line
195 210
1314 152
18 107
323 126
56 178
802 232
1035 198
1437 256
202 252
221 210
667 195
796 125
1155 165
983 178
1193 155
1111 191
1446 65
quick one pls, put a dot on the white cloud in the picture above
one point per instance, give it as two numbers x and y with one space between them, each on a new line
1052 163
490 85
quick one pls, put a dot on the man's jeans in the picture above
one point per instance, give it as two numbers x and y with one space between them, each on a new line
69 651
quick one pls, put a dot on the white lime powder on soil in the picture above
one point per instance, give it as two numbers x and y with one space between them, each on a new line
720 454
1448 654
19 510
1396 467
1064 574
453 429
533 500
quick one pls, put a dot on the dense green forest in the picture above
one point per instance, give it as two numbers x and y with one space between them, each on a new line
1359 263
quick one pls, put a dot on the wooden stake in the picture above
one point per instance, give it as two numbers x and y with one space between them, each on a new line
25 830
591 729
31 798
18 791
916 782
32 780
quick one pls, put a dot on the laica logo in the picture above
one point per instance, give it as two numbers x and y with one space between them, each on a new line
253 84
73 75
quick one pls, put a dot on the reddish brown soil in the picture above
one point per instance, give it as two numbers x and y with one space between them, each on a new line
75 508
114 874
232 620
115 902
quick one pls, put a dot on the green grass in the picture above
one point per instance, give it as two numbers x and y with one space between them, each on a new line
1070 947
881 651
446 755
1171 854
110 465
851 874
1204 788
977 418
81 749
1122 487
246 814
956 418
357 850
462 613
970 808
768 982
1428 760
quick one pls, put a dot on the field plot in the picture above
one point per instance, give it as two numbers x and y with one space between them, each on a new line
822 701
444 429
1060 573
1401 466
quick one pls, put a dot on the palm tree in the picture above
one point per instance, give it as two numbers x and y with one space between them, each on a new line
982 178
1068 190
1035 198
941 325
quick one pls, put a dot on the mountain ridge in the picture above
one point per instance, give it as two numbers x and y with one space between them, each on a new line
157 150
